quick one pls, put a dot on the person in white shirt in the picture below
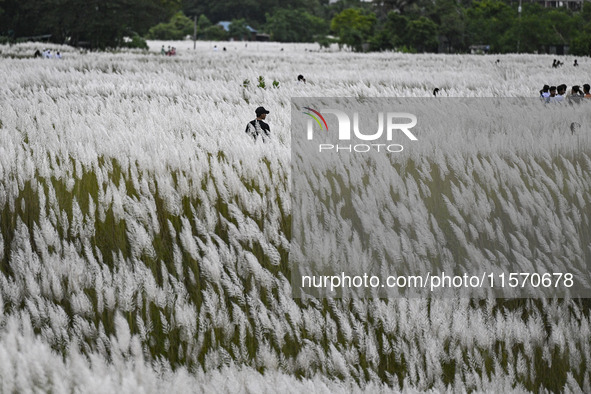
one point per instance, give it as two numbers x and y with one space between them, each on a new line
545 92
560 93
552 97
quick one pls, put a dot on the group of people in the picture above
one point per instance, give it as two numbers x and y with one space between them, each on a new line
558 63
556 94
168 52
46 54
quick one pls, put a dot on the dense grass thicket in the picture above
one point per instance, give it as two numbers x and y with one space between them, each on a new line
144 237
491 185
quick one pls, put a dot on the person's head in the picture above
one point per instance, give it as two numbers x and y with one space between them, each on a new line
546 88
301 78
552 91
261 112
586 88
561 89
575 89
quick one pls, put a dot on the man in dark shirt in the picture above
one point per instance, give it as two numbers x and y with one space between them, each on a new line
258 127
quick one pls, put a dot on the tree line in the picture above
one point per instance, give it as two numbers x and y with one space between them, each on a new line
403 25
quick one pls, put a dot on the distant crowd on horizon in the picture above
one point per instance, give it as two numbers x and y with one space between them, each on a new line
47 54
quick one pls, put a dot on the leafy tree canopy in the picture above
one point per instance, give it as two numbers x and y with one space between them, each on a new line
354 27
177 28
98 23
288 25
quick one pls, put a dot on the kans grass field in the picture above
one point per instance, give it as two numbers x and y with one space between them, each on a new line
144 237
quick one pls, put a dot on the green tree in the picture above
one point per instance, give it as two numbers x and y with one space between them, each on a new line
203 23
238 29
253 11
177 28
450 18
581 45
421 35
558 26
581 40
526 31
486 19
390 32
354 27
214 33
287 25
98 23
387 6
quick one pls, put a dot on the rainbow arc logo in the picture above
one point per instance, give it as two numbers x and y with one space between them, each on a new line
312 115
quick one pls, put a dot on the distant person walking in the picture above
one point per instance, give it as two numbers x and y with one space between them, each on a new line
576 64
257 127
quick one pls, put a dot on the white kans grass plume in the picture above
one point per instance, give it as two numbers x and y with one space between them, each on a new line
144 236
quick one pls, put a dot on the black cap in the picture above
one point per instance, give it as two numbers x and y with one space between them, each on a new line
261 110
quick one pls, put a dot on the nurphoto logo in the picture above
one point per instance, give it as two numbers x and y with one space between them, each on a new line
395 122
